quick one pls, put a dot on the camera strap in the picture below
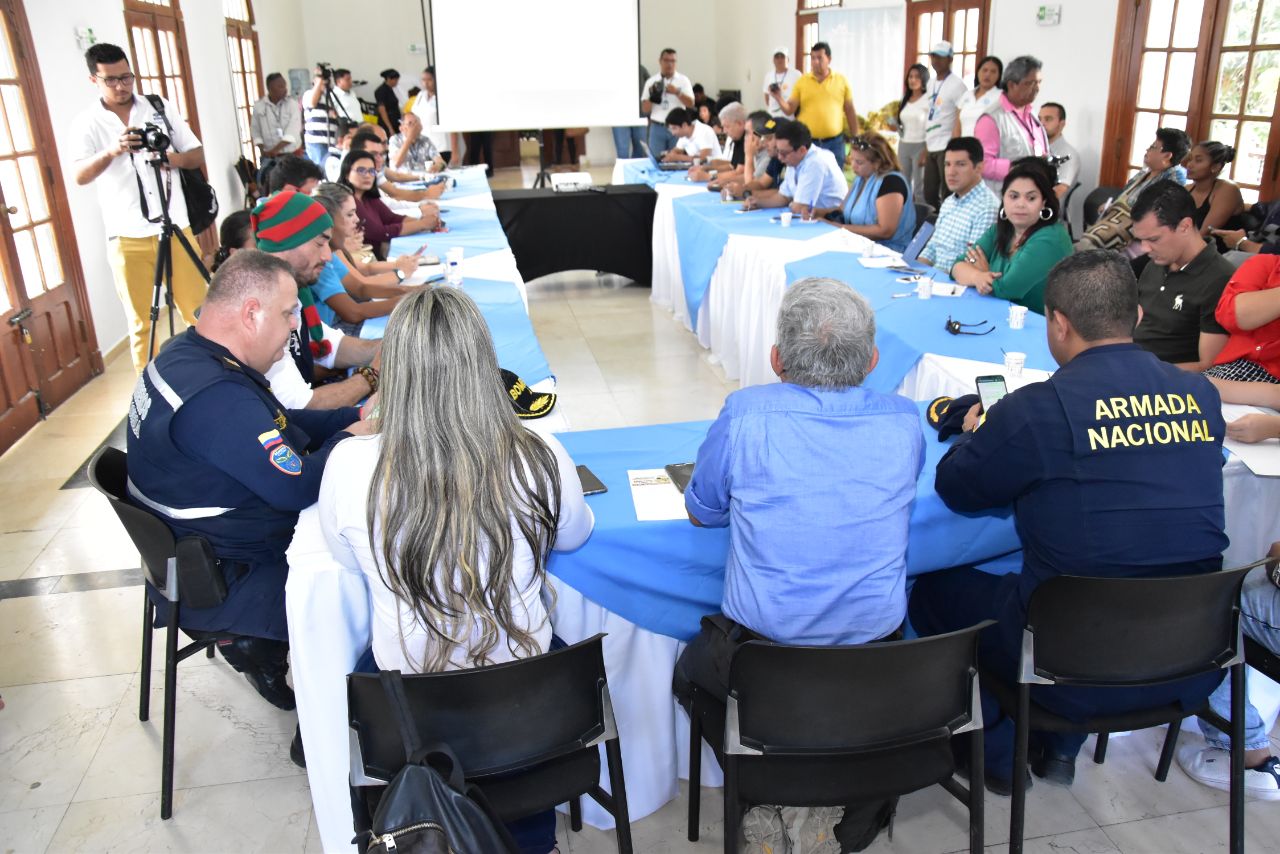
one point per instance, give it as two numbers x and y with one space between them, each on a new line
158 106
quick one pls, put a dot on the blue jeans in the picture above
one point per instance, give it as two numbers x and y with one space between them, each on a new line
534 834
1259 618
836 146
628 141
317 153
659 138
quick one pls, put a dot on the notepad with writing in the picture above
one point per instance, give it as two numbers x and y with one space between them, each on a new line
655 497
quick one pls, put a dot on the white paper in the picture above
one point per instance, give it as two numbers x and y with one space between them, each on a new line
1262 458
947 289
880 262
655 497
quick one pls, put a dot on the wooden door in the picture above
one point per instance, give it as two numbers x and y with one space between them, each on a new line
47 346
961 22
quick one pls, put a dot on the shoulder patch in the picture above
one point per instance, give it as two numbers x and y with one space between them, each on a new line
270 439
284 458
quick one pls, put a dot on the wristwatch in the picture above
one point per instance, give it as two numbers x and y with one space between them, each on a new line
1242 239
400 275
370 376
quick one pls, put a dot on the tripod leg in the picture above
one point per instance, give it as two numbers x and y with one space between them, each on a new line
191 252
162 254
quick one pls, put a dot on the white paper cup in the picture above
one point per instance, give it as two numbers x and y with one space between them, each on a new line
1013 363
924 289
786 219
1017 316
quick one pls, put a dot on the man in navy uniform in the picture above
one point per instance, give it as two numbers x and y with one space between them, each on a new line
1114 469
214 454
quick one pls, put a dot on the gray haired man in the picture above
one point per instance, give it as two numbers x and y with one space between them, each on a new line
1012 130
815 476
721 170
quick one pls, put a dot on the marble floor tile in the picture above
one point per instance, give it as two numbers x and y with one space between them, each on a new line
73 550
1124 788
18 550
577 379
29 831
687 371
592 412
1199 832
42 504
49 733
664 405
70 635
56 451
313 844
225 733
1093 841
262 815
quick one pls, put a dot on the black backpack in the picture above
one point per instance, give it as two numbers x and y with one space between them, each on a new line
429 808
202 201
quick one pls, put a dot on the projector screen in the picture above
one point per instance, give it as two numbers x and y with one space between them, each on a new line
527 64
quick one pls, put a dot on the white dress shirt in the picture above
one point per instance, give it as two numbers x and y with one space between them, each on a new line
348 102
944 103
785 81
272 123
703 137
669 101
286 380
97 129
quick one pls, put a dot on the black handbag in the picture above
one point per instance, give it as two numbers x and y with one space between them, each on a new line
202 201
429 808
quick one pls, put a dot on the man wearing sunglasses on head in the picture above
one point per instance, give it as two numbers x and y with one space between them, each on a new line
106 145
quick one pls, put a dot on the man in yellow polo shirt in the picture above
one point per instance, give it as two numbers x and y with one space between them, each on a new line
823 100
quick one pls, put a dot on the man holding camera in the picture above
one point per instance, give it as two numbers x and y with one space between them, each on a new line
662 93
113 145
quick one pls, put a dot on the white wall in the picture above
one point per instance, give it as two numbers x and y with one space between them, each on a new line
760 28
280 43
68 91
1077 69
693 27
393 25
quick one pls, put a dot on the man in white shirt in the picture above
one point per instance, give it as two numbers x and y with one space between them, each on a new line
944 94
694 139
1054 118
345 100
663 92
778 81
813 178
331 108
276 123
105 145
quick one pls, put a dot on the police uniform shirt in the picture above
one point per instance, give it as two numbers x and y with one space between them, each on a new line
213 453
1178 306
1113 467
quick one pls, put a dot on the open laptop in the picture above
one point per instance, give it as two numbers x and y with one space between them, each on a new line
917 244
677 166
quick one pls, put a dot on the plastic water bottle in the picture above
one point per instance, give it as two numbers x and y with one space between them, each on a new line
453 267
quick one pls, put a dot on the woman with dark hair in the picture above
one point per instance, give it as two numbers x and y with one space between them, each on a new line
451 507
236 232
359 174
1218 200
982 98
879 205
913 114
1013 258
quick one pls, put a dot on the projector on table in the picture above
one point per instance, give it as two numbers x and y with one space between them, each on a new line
570 182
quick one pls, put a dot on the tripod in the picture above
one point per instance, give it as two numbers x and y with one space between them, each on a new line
164 257
544 177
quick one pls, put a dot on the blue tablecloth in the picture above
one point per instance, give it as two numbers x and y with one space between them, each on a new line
469 182
664 576
509 324
703 226
644 172
907 328
476 230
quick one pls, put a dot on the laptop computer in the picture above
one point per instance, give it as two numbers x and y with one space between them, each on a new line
677 166
917 244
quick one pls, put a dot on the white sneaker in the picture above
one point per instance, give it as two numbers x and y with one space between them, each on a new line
1212 767
765 831
814 831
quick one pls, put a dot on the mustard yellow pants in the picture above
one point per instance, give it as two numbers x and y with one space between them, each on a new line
133 264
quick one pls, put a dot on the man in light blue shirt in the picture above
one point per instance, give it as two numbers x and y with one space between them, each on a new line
813 178
968 212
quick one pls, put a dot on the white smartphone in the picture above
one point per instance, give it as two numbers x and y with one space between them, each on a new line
990 389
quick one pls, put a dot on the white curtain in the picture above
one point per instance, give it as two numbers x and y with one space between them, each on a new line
866 47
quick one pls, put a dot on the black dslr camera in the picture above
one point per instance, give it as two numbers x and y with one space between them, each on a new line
324 71
656 91
151 138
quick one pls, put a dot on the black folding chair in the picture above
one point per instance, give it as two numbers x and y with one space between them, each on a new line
161 558
829 726
1094 201
1066 207
1127 633
526 732
925 213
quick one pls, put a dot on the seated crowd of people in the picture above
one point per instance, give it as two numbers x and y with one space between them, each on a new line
429 485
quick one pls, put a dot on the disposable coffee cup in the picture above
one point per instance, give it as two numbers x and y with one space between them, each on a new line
1017 316
924 289
786 219
1013 363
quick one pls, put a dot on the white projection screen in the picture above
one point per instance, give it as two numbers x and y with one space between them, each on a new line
528 64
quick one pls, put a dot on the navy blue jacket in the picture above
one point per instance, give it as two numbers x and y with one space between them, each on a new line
213 453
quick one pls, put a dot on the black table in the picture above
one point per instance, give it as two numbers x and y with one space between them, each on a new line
608 229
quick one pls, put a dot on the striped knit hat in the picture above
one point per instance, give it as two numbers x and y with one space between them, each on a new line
288 219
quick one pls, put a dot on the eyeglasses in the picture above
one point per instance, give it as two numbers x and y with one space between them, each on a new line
122 80
861 143
955 327
364 170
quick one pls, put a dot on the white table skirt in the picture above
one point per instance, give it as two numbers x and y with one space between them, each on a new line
666 280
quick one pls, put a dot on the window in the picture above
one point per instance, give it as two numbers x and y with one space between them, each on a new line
807 29
159 48
961 22
1209 67
246 75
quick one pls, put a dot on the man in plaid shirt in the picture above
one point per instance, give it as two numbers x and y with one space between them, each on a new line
968 212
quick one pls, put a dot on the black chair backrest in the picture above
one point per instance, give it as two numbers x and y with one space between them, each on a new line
851 699
1066 202
1094 201
109 473
925 213
1128 631
496 719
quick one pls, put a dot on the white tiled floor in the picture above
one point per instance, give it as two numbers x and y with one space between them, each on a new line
79 772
